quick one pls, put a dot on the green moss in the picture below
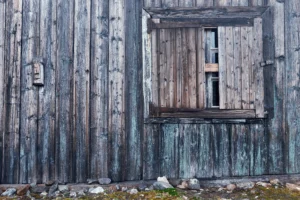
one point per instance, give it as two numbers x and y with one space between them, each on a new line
170 191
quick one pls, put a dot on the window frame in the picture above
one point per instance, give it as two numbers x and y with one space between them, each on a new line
165 18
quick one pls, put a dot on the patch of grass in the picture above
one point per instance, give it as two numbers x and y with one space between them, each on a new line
171 191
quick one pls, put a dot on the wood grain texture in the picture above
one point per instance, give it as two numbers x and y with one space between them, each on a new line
2 80
99 89
237 82
12 64
81 87
29 93
201 82
222 67
133 97
169 150
292 72
117 88
64 84
47 93
151 157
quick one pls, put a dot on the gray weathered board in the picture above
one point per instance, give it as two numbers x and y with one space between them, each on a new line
87 120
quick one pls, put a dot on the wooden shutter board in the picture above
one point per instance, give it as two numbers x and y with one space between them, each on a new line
200 68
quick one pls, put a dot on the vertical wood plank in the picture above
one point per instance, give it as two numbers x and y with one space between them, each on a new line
168 68
222 67
251 68
292 66
204 150
152 3
2 80
29 93
147 64
151 164
82 85
64 111
192 67
221 135
230 73
258 150
12 64
99 89
117 88
258 75
205 3
133 91
201 82
188 150
245 68
46 120
162 67
223 2
169 150
237 82
185 70
240 150
179 68
155 66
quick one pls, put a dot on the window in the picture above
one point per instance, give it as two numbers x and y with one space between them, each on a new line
197 65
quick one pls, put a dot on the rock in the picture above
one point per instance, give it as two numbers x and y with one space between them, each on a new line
52 189
220 189
49 183
81 193
73 194
92 181
162 179
264 184
292 187
185 198
142 187
9 192
184 185
174 182
133 191
149 188
159 185
245 185
104 181
63 188
230 187
124 189
44 194
112 188
39 189
275 181
193 184
118 188
23 190
33 184
96 190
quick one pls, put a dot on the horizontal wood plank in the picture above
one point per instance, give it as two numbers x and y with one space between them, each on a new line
201 113
165 23
211 67
207 12
167 120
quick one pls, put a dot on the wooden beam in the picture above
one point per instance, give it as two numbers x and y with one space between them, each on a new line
166 23
207 12
201 113
211 67
173 120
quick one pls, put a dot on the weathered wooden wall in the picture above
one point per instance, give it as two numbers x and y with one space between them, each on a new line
87 121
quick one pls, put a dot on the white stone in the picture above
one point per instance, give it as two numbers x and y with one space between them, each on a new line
44 194
73 194
245 185
263 184
63 188
9 192
159 185
292 187
133 191
163 179
96 190
274 181
231 187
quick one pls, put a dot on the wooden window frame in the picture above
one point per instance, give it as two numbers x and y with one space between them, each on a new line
169 18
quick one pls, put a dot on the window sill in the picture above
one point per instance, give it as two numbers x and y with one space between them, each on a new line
166 120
